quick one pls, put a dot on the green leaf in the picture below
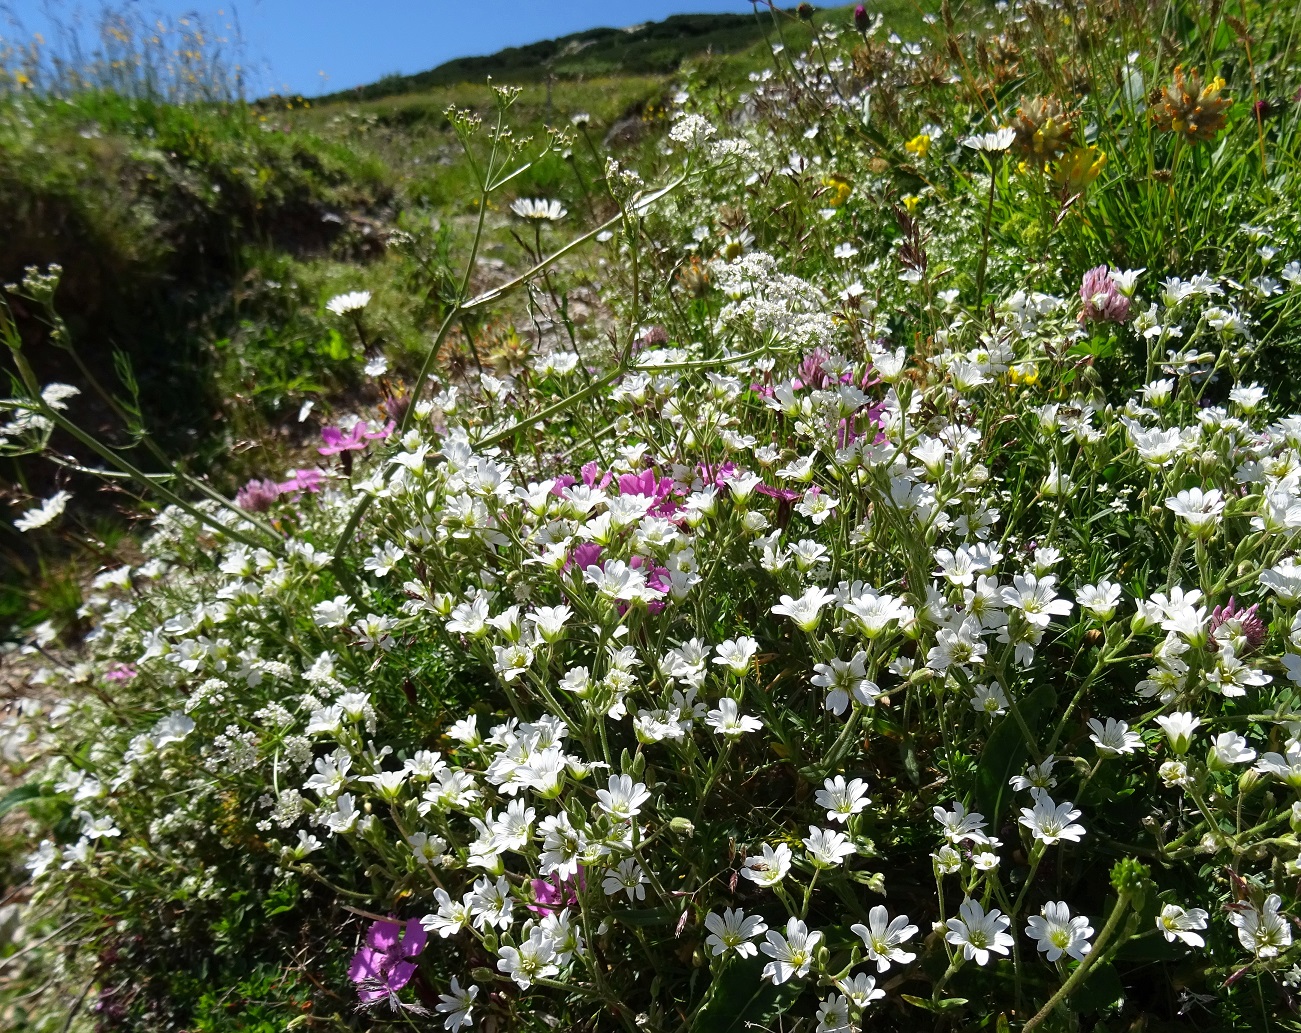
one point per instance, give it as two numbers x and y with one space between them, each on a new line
740 998
1101 988
646 916
18 796
943 1004
1006 751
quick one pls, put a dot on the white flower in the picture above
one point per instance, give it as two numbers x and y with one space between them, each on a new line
1058 933
736 654
1113 738
1229 748
457 1005
622 798
353 301
728 721
1100 600
533 959
172 728
842 800
1200 510
1049 822
992 143
538 210
627 878
861 990
791 954
978 933
768 868
959 824
733 931
806 611
828 848
1176 923
1179 728
1264 932
882 937
843 679
45 513
988 698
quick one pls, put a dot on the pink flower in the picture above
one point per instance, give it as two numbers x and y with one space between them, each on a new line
385 964
303 480
554 894
119 673
257 496
1103 301
337 441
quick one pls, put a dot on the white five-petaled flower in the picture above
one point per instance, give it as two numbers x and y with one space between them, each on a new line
1049 822
1177 923
457 1005
828 848
842 799
622 798
1200 510
770 867
736 654
960 824
1179 728
1264 932
791 954
882 936
1113 738
728 721
806 611
1057 933
734 931
979 933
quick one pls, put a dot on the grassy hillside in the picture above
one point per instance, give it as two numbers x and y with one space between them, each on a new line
653 48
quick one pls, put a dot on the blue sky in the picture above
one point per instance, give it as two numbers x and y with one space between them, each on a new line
317 46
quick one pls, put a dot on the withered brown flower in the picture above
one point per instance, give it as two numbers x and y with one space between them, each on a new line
1191 108
1044 130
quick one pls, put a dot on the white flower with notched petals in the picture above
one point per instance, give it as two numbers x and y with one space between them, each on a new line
883 937
841 799
728 721
457 1005
828 848
628 878
733 931
792 954
979 933
622 798
353 301
769 867
1057 933
1177 923
1051 822
1264 932
1114 737
960 824
806 611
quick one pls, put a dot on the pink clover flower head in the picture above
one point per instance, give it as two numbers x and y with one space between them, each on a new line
303 480
358 437
1103 300
811 373
257 496
1245 622
385 965
119 673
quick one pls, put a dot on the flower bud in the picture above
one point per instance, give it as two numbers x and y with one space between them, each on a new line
861 18
482 975
805 11
683 827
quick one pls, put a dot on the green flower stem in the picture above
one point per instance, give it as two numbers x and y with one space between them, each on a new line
1082 970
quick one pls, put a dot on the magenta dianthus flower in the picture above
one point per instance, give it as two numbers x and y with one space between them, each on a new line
385 964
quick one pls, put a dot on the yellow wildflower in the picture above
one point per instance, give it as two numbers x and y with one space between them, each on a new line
919 145
910 202
1079 167
839 188
1026 373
